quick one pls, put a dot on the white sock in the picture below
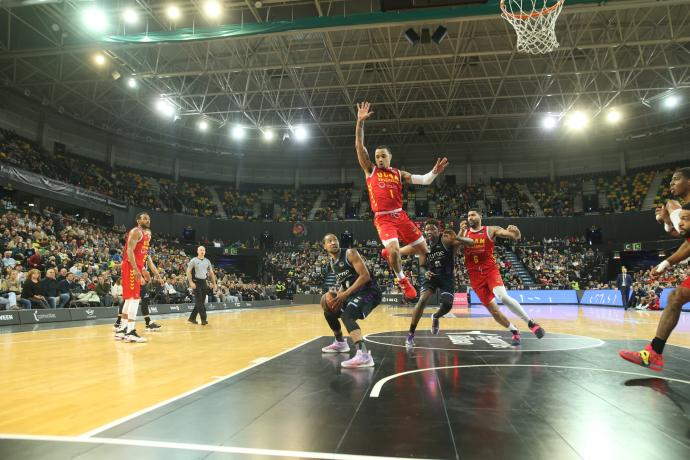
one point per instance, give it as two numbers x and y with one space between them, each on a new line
400 275
512 327
512 304
125 312
132 314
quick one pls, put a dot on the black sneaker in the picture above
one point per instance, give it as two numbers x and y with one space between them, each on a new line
203 322
193 321
116 326
132 336
153 326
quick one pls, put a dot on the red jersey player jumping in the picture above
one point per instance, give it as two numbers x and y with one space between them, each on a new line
485 278
132 272
385 185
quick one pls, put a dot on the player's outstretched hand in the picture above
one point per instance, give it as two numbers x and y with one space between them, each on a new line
364 111
440 165
513 229
429 275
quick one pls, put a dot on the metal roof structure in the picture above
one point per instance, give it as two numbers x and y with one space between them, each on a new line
472 88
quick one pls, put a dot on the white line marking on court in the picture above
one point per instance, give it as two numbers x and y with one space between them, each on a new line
260 360
195 447
598 343
126 418
376 390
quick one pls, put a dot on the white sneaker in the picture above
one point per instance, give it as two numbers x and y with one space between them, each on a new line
336 347
120 333
132 336
361 359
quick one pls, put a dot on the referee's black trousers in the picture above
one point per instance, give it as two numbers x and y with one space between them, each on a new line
199 300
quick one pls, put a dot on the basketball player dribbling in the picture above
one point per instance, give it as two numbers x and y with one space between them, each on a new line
485 277
132 273
385 185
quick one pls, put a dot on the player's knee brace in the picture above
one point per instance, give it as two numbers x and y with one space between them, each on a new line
446 301
500 292
349 319
332 320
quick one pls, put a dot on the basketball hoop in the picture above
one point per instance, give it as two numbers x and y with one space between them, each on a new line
534 22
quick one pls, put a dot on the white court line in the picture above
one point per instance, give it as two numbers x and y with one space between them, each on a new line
509 350
126 418
194 447
376 390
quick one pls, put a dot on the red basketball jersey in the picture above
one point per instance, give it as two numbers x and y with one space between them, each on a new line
480 256
141 250
385 189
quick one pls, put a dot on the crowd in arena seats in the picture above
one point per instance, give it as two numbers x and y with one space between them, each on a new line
561 263
51 259
241 206
453 200
518 201
554 198
286 204
625 193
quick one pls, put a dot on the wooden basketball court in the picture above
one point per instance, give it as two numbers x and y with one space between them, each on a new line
254 382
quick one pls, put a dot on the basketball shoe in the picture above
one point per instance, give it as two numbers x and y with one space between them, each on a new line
645 358
336 347
361 359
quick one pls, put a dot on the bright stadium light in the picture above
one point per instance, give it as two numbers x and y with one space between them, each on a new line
99 59
577 120
132 83
94 19
614 116
212 9
130 16
549 122
173 12
203 125
165 107
238 132
672 101
269 135
300 133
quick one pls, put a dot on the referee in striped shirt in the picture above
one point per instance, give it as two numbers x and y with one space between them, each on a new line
202 271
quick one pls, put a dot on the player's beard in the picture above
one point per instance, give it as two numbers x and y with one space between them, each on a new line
475 225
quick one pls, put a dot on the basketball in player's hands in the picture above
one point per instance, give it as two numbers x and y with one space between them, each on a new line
328 302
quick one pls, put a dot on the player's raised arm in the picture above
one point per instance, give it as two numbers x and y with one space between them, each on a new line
512 232
427 178
363 113
451 239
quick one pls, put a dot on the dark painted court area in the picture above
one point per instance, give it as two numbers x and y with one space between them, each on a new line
563 397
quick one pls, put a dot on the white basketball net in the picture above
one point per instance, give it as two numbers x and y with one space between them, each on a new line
534 22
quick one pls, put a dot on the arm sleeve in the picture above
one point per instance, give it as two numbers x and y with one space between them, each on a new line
426 179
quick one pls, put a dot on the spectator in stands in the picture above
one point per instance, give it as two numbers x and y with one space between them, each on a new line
12 284
8 260
116 292
50 287
31 290
102 289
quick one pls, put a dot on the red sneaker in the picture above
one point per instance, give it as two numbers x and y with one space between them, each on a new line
645 358
408 290
384 253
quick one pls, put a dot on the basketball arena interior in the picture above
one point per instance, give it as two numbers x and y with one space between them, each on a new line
327 229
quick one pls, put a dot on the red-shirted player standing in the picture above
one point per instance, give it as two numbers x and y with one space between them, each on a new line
385 185
652 355
132 270
485 278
